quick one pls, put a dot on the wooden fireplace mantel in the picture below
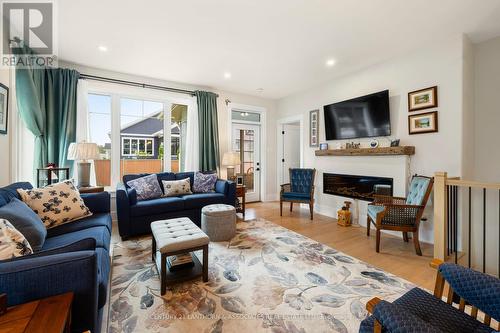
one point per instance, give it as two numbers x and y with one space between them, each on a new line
380 151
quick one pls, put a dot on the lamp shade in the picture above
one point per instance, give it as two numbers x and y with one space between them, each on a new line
83 151
231 159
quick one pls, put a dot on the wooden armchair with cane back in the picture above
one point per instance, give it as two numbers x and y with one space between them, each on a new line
401 214
470 295
300 189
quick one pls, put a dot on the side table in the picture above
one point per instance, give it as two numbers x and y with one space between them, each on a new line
241 191
51 314
91 189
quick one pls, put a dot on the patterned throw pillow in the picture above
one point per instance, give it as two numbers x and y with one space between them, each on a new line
175 188
12 242
56 204
204 183
147 187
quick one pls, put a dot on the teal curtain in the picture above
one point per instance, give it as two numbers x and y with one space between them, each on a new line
46 100
209 130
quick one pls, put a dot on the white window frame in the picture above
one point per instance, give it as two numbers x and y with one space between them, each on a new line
263 137
117 92
145 139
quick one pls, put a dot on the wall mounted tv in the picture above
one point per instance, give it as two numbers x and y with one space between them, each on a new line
361 117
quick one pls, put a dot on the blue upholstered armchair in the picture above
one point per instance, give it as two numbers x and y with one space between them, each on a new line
401 214
419 311
300 189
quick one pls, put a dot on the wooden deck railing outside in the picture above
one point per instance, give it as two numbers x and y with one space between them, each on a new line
103 168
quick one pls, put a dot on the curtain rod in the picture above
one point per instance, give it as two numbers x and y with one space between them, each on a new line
135 84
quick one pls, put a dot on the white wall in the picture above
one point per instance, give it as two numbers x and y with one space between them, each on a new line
223 114
5 140
487 154
487 111
439 64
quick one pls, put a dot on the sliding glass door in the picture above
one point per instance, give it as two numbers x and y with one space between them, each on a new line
136 135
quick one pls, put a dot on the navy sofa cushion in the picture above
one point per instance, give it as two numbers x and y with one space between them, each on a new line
96 220
10 191
26 221
157 206
199 200
165 176
100 234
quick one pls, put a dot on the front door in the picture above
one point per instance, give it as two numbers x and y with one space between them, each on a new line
245 139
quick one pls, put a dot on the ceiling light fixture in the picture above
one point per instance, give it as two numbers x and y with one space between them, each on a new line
227 75
260 90
330 62
102 48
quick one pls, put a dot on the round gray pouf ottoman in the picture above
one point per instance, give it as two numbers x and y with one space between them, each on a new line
218 222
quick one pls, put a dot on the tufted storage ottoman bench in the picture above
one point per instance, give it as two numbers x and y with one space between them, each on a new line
219 222
177 236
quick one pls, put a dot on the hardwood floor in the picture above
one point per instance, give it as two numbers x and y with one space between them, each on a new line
396 256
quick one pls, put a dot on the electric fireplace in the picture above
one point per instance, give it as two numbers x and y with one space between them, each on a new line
356 187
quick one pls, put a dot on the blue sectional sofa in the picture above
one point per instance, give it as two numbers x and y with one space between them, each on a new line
135 217
74 257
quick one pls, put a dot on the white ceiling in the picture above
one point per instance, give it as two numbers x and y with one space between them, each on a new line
278 45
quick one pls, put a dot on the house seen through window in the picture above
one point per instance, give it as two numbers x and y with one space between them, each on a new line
143 135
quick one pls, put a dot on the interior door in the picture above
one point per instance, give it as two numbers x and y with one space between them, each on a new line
245 139
291 150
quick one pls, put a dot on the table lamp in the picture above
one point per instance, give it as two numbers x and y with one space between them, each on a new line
231 160
83 152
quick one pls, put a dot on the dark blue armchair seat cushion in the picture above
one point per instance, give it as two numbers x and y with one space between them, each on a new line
434 312
157 206
296 196
96 220
100 234
200 200
26 221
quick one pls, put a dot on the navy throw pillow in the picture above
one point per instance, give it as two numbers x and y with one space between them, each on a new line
26 221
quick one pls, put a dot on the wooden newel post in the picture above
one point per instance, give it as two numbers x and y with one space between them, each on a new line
440 215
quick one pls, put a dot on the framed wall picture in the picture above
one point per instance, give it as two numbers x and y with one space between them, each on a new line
423 99
423 123
314 128
4 108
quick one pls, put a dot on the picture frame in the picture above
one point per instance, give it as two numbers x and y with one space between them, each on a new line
323 146
4 108
239 180
423 123
314 128
423 99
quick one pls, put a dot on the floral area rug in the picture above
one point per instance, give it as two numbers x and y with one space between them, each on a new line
267 279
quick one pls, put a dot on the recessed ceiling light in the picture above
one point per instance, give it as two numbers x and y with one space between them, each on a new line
260 90
102 48
330 62
227 75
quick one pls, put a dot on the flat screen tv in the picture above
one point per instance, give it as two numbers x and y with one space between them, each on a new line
361 117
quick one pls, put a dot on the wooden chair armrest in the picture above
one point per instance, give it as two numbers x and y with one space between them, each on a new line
381 196
284 184
370 306
396 205
435 263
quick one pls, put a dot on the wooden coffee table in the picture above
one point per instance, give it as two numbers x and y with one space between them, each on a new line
51 314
